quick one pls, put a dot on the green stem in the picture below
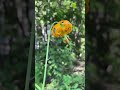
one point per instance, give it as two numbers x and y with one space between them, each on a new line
47 56
66 37
29 60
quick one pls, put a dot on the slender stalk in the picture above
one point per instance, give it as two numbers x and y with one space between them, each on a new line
47 57
29 60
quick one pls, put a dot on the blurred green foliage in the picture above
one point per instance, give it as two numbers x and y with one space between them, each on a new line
62 59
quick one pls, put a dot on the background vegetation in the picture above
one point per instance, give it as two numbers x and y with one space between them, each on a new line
65 64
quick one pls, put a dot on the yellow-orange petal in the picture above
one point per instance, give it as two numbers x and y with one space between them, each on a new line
67 26
62 28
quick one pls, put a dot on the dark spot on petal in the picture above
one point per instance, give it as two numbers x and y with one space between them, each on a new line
62 22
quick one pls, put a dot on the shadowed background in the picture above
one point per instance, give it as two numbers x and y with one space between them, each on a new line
103 45
16 17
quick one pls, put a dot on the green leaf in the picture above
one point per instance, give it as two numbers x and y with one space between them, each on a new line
37 87
67 79
74 5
